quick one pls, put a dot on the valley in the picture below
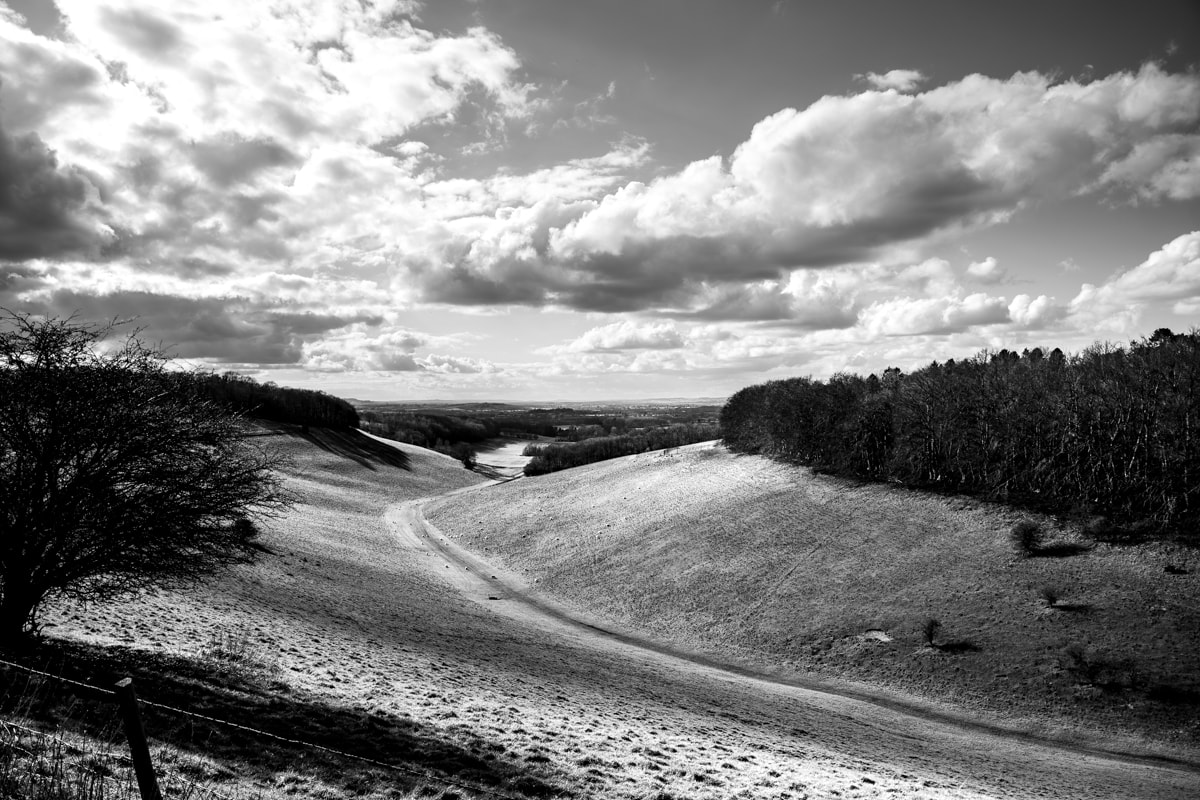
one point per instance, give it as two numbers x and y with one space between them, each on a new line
359 614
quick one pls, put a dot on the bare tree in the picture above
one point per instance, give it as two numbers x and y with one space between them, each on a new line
115 474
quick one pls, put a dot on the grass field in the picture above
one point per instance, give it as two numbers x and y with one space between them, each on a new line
354 634
769 565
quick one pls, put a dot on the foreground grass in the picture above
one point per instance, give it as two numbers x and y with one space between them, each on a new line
758 563
56 741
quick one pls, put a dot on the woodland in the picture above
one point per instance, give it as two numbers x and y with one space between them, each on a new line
1108 434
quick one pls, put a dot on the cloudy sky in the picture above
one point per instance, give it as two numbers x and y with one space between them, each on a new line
541 199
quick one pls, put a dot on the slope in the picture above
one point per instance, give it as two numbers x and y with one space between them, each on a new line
794 574
356 633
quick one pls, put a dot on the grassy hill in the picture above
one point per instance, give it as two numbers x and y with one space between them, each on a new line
771 566
355 633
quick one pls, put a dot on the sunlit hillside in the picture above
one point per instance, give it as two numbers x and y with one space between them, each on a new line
769 565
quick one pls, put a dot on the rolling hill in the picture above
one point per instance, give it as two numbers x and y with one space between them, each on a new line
358 633
795 574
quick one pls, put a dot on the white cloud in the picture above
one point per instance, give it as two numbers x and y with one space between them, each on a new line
850 178
933 277
625 335
987 271
906 316
1168 278
455 365
1035 312
1164 168
900 80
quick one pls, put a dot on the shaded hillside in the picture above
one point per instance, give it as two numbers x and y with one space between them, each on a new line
268 401
767 564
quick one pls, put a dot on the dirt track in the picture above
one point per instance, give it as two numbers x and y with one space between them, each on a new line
896 751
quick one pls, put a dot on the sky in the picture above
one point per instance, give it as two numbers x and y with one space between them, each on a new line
542 200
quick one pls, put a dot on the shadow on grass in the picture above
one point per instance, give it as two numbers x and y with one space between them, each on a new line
1174 695
1060 550
256 701
355 446
957 647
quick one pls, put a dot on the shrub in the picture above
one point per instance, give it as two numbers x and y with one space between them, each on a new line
1026 537
1093 669
1050 595
231 652
929 629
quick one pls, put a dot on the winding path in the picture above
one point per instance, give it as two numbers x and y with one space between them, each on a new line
889 740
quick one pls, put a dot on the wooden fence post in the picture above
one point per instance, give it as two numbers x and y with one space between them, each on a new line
138 749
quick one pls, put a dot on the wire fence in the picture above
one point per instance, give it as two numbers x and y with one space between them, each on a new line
55 751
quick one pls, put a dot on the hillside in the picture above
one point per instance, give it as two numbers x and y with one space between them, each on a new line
356 632
764 564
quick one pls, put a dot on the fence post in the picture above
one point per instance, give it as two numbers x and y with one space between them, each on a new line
138 749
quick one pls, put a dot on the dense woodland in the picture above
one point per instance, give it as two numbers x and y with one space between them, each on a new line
553 457
1110 432
269 401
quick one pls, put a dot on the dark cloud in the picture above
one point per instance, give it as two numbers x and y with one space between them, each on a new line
231 330
516 284
145 33
45 210
819 311
16 279
192 267
38 81
247 210
230 159
308 323
935 203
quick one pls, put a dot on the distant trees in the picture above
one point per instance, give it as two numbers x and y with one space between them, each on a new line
557 456
1111 430
443 432
269 401
115 475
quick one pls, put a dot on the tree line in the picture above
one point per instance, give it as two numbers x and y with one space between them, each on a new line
1110 432
444 431
553 457
268 401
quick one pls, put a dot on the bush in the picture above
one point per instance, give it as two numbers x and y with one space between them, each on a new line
1050 596
232 652
1026 537
929 629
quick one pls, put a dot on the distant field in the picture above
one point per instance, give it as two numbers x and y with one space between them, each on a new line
771 566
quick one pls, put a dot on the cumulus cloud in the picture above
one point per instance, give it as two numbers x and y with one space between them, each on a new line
1034 313
848 179
203 141
909 317
901 80
987 271
1169 277
269 183
456 365
626 335
1164 168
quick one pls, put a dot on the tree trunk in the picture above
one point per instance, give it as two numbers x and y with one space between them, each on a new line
16 617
